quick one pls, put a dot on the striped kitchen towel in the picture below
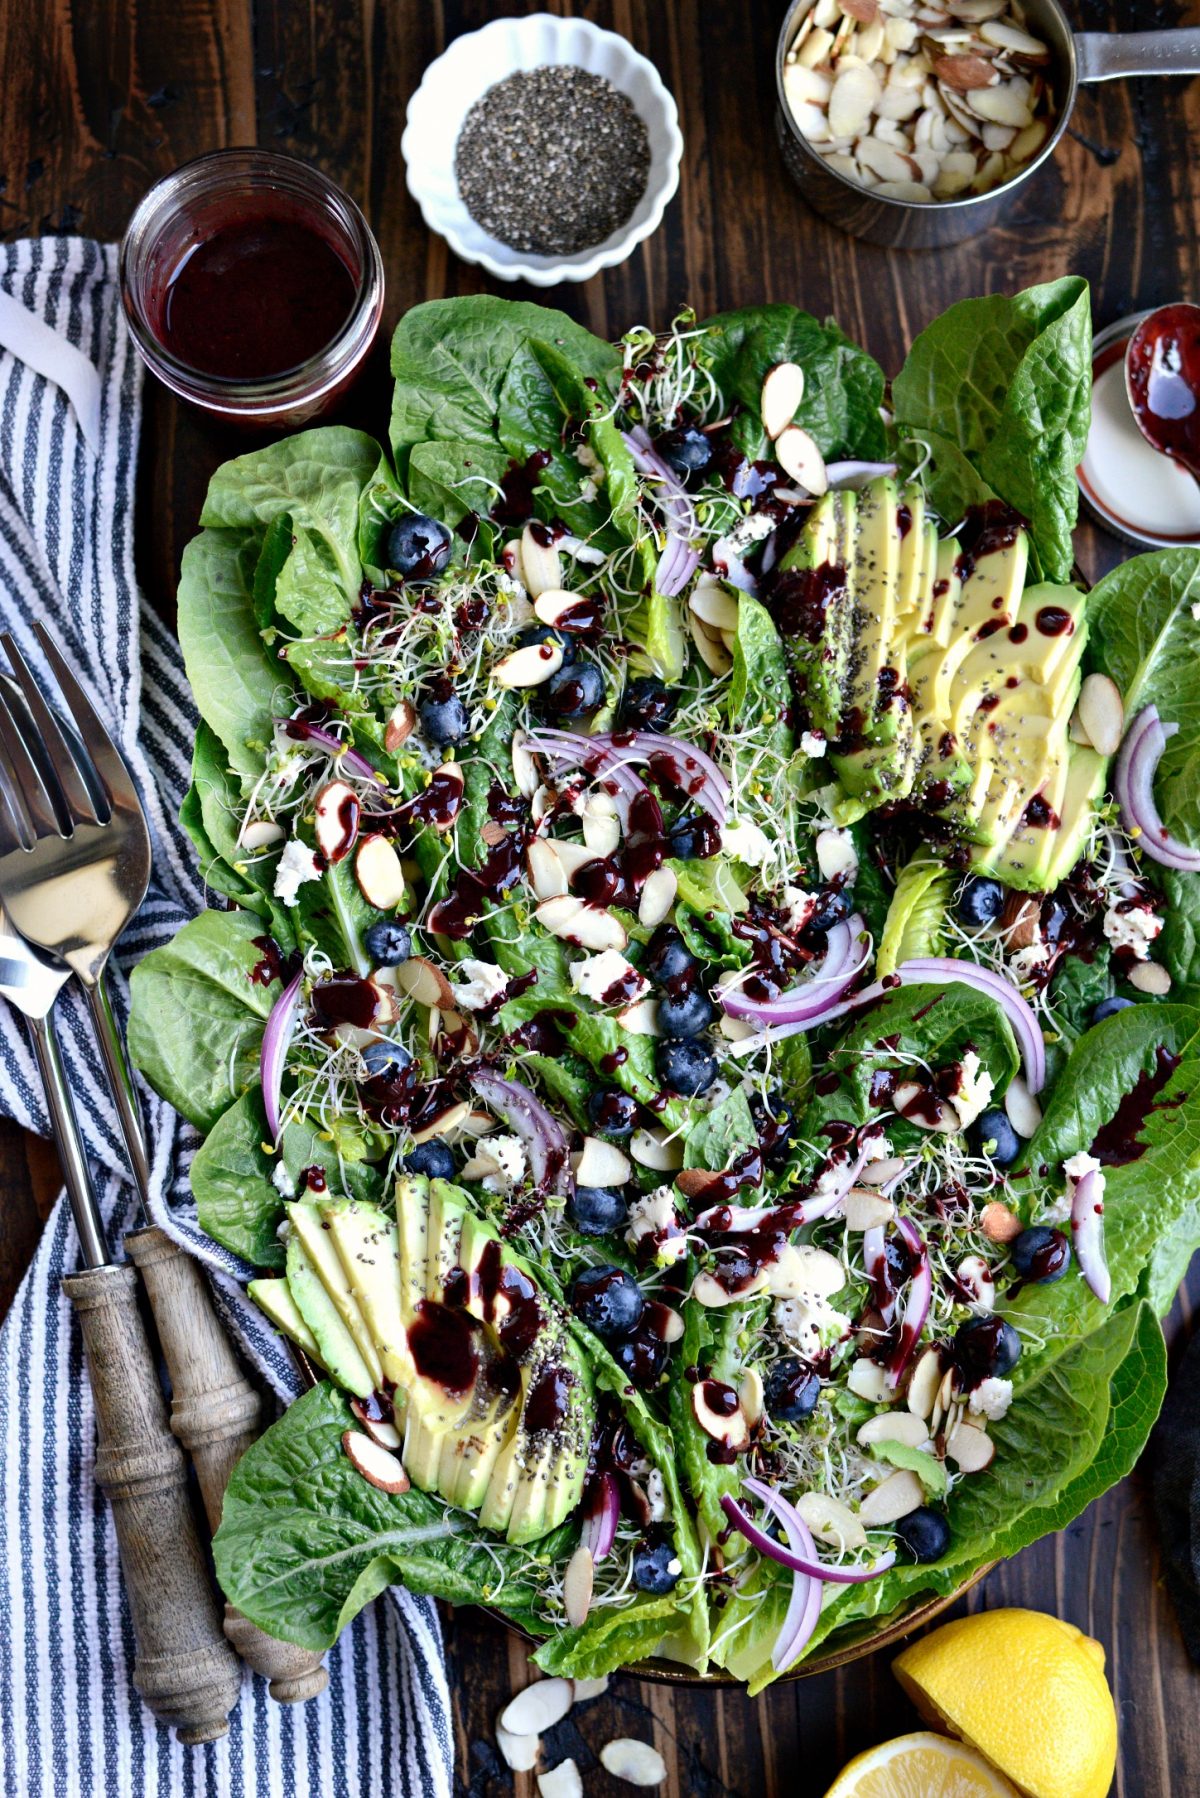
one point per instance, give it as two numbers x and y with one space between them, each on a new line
70 1720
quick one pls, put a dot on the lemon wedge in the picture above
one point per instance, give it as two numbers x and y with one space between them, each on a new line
919 1766
1028 1691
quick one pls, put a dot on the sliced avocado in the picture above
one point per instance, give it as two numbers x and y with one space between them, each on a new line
814 612
274 1299
367 1246
412 1225
336 1346
443 1237
1037 857
308 1227
469 1453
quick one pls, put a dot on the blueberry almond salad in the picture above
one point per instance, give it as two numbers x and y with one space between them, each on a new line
697 1035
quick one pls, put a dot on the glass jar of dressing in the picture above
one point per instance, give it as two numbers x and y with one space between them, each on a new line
253 287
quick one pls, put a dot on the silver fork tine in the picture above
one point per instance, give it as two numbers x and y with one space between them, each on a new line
27 778
16 830
60 754
111 771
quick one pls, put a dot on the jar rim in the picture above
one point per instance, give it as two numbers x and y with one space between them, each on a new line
328 365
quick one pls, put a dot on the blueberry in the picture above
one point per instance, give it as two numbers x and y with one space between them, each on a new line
686 452
388 944
774 1122
924 1533
595 1210
648 703
444 718
832 907
655 1568
791 1390
431 1158
417 547
981 900
608 1300
693 838
385 1061
668 959
642 1358
993 1135
1041 1255
545 633
574 691
685 1014
688 1068
985 1348
612 1112
1108 1008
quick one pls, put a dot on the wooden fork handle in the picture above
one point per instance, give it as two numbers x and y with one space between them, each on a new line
216 1414
183 1668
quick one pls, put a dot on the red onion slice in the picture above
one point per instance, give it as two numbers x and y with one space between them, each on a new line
1133 785
280 1028
600 1526
601 762
682 763
856 474
799 1561
916 1306
347 757
846 953
875 1261
676 566
542 1135
1087 1230
680 513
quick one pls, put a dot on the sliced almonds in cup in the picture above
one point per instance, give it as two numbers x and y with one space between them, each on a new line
923 103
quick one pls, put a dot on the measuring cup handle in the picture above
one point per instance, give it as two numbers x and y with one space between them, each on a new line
1104 55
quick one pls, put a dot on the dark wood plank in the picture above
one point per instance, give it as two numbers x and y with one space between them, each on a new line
102 98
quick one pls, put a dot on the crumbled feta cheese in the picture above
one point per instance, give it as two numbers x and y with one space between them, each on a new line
1135 929
484 983
748 531
875 1145
745 842
1025 961
1075 1168
991 1399
1081 1164
656 1496
596 975
807 1324
798 906
836 855
509 586
282 1181
655 1215
813 742
974 1089
297 864
507 1157
975 1277
1196 609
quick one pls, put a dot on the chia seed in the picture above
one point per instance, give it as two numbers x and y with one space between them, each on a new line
552 160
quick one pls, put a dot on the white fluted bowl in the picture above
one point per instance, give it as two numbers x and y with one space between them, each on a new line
480 59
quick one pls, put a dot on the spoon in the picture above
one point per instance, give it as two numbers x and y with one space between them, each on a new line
1162 378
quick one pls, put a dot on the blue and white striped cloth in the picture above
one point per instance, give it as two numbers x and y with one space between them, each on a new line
71 1723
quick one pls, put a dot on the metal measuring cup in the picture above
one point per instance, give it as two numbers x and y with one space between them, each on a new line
1076 58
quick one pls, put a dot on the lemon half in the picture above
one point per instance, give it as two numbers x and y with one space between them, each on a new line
919 1766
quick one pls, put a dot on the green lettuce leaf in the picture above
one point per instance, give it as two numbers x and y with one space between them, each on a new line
916 914
843 386
237 684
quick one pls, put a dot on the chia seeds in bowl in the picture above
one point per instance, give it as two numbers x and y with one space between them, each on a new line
552 160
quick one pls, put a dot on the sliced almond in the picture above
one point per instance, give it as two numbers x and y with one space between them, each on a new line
529 666
547 876
803 85
782 391
867 1379
590 1688
563 1781
601 825
556 606
541 565
1020 922
801 460
831 1521
601 1163
1150 977
864 1209
446 1125
381 1432
451 1029
576 921
1003 105
713 653
574 856
637 1763
518 1752
379 874
921 1107
399 727
998 1223
997 137
883 160
715 606
878 1173
898 104
378 1466
260 834
923 1384
577 1586
892 1499
1024 1112
655 1150
815 48
974 12
657 897
640 1018
1027 143
537 1708
854 98
750 1395
421 980
729 1428
863 12
905 190
1102 713
904 1427
1013 41
525 768
335 819
956 173
964 74
971 1449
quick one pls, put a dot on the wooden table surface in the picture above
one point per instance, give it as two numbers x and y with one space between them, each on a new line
102 96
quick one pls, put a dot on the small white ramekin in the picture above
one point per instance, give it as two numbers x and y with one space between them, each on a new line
477 61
